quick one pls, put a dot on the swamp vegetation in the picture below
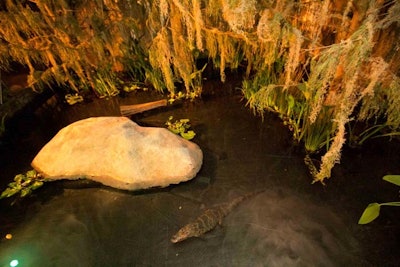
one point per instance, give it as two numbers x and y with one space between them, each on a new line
329 69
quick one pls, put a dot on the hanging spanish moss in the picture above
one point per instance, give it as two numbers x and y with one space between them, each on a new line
320 65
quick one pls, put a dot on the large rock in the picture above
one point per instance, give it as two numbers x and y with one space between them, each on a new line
119 153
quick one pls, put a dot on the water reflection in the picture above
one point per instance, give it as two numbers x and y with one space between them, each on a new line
100 227
289 224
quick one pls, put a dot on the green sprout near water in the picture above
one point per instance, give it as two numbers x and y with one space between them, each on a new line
180 127
23 184
178 96
134 87
73 99
373 209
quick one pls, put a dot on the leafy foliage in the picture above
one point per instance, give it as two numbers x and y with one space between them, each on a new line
325 85
320 65
394 179
72 99
180 127
372 211
79 45
23 184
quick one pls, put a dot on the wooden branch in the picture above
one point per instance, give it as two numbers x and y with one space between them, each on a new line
128 110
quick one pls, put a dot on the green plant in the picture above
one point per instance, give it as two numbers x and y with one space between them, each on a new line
342 58
23 184
372 132
180 127
72 99
177 96
373 209
134 86
105 85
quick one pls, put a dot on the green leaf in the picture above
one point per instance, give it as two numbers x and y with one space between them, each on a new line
19 177
25 191
23 184
370 213
188 135
183 121
394 179
180 127
31 174
36 185
174 130
290 100
9 192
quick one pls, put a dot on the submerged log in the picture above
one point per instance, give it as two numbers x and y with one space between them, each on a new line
127 110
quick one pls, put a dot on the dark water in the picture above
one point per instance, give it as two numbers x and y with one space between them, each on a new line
291 223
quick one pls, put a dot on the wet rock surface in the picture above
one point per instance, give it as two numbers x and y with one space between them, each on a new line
117 152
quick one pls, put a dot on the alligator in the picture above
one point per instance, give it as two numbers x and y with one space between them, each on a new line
209 219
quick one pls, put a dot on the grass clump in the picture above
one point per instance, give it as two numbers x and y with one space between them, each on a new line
321 66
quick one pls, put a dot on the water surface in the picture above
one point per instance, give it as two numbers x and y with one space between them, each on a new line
291 223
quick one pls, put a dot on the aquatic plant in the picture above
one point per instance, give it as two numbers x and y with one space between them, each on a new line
180 127
375 131
320 65
134 86
175 97
373 209
23 184
72 99
344 80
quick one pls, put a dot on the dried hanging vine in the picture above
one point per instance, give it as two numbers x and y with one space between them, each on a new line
320 65
79 45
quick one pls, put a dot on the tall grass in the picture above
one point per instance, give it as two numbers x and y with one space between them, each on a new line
320 65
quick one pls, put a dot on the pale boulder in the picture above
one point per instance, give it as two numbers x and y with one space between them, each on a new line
117 152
